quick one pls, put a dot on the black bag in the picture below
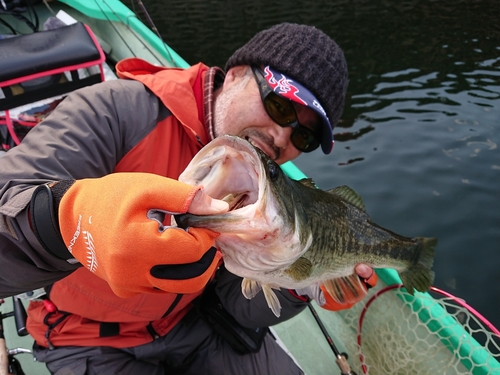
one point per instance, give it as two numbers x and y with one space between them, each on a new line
242 339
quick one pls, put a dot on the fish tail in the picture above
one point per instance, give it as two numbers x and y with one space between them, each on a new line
419 275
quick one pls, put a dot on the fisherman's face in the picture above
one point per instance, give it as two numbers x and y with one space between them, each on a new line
238 110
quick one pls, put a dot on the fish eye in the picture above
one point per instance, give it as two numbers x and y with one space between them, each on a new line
273 171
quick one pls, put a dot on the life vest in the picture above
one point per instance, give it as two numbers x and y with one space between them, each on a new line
83 311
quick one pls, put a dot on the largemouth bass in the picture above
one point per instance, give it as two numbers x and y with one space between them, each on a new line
282 233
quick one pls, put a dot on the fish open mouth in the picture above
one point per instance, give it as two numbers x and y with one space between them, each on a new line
237 201
229 169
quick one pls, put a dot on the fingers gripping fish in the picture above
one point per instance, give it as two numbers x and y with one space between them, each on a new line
282 233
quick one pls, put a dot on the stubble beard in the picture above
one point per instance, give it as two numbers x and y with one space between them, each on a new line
223 103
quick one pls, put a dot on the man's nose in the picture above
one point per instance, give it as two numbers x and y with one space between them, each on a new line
281 135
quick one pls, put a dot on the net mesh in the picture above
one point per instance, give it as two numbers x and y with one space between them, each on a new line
400 332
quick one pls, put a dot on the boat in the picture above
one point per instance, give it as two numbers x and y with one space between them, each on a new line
390 332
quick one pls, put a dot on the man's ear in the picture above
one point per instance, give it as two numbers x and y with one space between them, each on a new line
235 73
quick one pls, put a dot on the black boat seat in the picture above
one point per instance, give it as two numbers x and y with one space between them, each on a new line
32 66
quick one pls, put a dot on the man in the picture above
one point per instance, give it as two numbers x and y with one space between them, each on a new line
86 200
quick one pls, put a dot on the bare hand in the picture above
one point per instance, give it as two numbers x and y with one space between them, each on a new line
364 271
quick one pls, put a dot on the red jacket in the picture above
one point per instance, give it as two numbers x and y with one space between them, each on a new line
97 316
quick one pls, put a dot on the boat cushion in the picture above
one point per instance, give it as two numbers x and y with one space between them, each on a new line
46 50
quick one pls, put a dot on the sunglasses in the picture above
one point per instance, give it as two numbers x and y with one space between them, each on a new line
282 111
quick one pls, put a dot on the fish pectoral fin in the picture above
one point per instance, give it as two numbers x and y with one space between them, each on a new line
272 299
350 196
347 289
250 288
300 270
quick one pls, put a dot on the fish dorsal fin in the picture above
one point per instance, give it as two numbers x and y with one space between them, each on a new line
349 195
308 182
250 288
345 289
301 269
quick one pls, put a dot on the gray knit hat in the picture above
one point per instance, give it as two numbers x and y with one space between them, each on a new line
306 54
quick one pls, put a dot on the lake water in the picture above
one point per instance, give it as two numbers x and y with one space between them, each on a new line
419 137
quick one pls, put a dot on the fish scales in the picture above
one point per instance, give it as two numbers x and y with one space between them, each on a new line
351 236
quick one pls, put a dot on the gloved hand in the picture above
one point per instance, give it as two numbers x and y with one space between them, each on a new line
116 226
319 293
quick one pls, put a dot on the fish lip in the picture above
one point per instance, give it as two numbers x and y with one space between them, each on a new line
256 142
237 143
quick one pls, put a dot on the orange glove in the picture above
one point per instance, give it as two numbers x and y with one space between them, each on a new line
331 304
116 226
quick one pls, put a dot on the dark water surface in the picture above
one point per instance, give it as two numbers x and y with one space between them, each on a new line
419 138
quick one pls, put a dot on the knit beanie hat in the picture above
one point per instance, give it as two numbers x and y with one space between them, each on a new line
306 54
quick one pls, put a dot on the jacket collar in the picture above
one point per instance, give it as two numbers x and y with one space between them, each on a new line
180 90
213 81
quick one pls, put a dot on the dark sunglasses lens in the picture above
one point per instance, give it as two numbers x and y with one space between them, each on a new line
280 109
303 139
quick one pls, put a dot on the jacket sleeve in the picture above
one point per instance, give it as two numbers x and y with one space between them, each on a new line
255 312
86 136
